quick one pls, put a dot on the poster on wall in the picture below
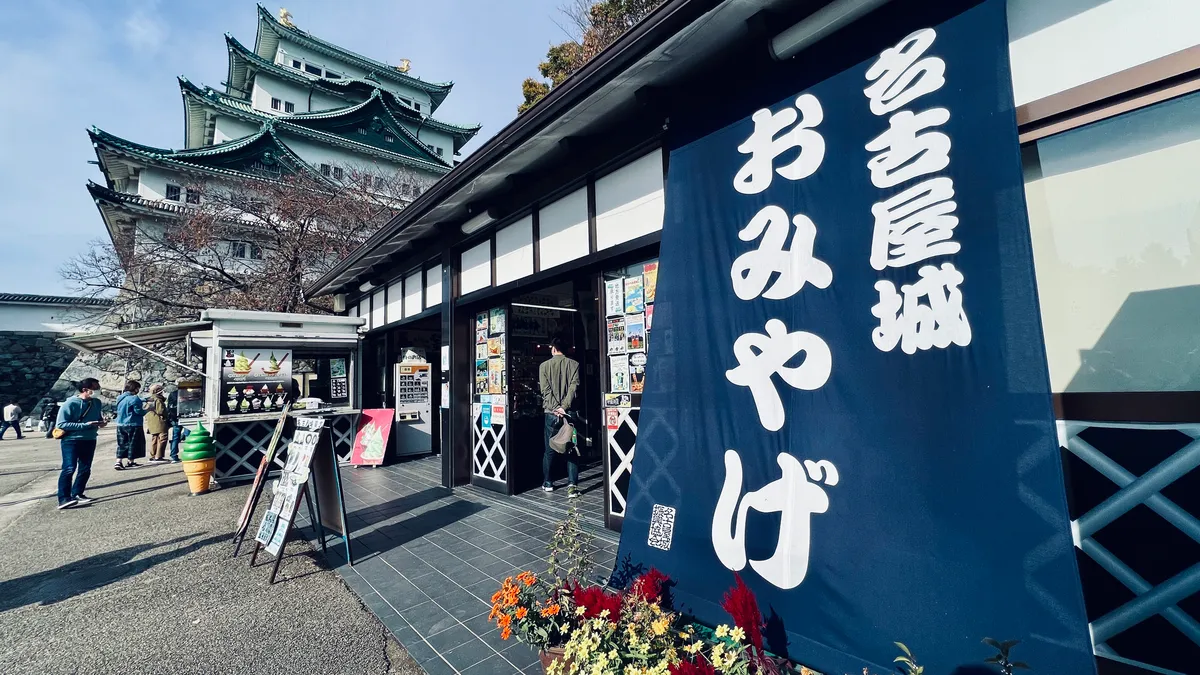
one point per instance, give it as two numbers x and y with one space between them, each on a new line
498 409
496 322
255 380
635 333
481 376
485 416
637 372
634 298
824 405
616 335
495 346
496 375
617 401
481 351
481 328
649 316
370 443
612 418
618 367
650 282
614 297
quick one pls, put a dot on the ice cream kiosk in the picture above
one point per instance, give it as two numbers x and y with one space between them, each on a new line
258 362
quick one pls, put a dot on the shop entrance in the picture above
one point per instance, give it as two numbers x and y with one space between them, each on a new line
566 312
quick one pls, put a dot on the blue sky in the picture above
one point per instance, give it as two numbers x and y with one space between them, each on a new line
69 64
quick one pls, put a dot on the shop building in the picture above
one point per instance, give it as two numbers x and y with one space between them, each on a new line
524 239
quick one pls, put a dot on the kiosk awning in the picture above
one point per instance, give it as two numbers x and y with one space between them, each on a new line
138 338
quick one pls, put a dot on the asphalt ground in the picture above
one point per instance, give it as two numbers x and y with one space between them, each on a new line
142 581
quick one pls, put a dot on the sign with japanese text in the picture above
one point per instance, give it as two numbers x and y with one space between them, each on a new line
863 429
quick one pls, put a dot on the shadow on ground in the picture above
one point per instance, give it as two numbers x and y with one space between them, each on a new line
67 581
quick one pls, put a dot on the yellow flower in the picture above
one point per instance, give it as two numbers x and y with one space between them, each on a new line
737 633
660 625
722 631
694 648
580 610
604 614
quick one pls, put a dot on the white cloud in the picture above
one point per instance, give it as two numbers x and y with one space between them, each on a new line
144 29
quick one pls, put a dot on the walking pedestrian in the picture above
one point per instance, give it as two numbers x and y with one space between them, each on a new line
79 419
558 379
12 418
156 424
131 441
50 416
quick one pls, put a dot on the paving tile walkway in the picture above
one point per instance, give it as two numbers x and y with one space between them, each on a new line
428 559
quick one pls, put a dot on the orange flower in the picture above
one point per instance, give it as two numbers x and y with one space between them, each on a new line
496 597
522 612
551 610
504 621
493 614
505 634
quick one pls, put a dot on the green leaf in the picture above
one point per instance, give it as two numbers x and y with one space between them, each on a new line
904 648
902 659
1009 644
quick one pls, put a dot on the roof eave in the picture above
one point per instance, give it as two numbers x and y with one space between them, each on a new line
668 19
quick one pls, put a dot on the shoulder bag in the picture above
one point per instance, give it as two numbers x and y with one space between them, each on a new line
59 433
561 440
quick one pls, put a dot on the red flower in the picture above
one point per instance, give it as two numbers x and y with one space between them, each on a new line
692 668
740 603
594 600
649 586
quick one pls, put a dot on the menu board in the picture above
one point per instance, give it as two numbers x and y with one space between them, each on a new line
255 379
278 518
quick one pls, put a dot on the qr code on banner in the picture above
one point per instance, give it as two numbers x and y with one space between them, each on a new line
662 527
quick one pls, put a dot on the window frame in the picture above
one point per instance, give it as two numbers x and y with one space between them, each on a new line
276 103
191 196
178 191
314 70
289 107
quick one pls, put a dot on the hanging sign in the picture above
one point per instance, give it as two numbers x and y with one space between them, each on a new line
863 429
485 416
614 297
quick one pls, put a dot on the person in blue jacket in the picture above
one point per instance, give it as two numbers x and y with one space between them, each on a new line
79 419
131 440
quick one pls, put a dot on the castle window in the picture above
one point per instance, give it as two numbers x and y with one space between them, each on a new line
417 106
326 170
388 138
276 104
193 197
172 192
439 151
310 68
332 75
337 173
296 64
288 106
244 250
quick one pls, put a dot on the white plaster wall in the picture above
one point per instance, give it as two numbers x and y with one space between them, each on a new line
323 101
1116 238
413 292
514 251
476 268
267 87
433 286
364 310
437 139
1055 45
629 201
36 318
231 128
395 304
563 230
297 51
377 308
152 183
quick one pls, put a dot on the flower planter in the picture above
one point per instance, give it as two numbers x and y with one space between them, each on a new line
199 474
551 655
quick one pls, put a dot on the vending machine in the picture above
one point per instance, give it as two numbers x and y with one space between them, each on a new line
414 401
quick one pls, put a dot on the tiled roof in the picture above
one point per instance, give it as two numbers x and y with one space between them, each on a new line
437 90
32 299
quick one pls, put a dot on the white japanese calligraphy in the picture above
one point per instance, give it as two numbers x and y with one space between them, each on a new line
753 270
913 325
763 146
900 75
762 356
793 496
904 153
915 225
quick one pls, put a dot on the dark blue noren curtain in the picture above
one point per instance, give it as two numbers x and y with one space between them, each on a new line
847 398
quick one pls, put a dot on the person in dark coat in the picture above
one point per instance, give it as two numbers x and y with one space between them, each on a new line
50 416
